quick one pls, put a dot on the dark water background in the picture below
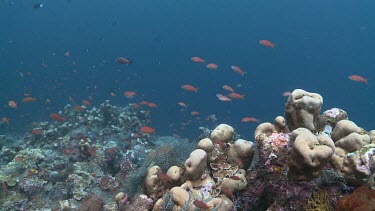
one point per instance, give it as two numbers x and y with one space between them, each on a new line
318 45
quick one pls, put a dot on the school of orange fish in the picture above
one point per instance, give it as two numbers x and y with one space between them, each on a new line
228 95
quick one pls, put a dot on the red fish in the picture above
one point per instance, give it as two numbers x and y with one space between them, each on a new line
200 204
152 105
358 78
222 97
190 88
228 88
227 192
212 66
147 130
123 60
182 104
129 94
287 93
12 104
28 99
197 59
234 177
267 43
36 131
194 113
57 117
86 103
236 96
249 119
238 70
5 120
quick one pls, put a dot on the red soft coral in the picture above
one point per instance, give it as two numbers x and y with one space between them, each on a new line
363 198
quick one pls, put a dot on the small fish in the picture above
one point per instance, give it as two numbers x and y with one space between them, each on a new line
227 192
123 60
112 94
200 204
147 130
182 104
236 96
267 43
79 108
57 117
222 97
212 66
86 103
28 99
38 5
190 88
5 120
152 105
12 104
228 88
234 177
164 177
197 59
238 70
36 131
249 119
194 113
286 94
358 78
129 94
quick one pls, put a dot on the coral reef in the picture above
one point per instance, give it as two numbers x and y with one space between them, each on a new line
98 159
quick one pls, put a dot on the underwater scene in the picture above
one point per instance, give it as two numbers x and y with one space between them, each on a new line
187 105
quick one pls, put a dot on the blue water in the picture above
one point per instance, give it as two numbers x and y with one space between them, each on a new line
318 45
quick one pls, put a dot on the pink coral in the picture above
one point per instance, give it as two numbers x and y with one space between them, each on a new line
278 140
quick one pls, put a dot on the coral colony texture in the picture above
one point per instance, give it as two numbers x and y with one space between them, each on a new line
97 160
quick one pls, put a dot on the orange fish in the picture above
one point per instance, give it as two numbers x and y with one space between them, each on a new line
57 117
144 103
12 104
358 78
200 204
79 108
123 60
234 177
238 70
194 113
267 43
147 130
236 96
197 59
286 94
5 120
182 104
36 131
249 119
28 99
190 88
129 94
152 105
86 103
228 88
227 192
212 66
222 97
